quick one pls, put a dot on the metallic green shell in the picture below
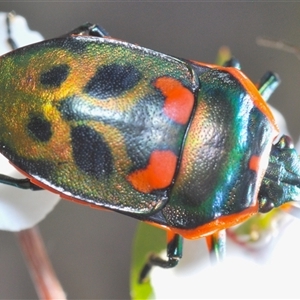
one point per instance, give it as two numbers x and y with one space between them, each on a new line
215 178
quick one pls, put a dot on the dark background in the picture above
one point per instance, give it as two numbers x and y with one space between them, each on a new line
90 250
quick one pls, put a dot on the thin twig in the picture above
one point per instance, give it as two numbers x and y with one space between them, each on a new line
43 276
280 45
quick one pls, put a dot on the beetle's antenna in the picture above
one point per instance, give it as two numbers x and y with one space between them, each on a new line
268 84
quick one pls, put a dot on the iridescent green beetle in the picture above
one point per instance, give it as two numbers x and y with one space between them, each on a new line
182 145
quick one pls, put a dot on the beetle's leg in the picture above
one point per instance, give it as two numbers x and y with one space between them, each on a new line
89 29
232 62
216 244
174 253
10 40
268 84
25 183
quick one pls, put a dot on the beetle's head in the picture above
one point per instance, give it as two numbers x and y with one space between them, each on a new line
281 183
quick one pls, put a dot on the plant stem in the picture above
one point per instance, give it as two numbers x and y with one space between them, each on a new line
43 276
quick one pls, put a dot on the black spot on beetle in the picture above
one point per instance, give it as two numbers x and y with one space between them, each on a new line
55 76
90 152
39 128
112 80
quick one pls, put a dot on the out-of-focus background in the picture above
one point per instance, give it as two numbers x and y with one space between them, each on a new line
90 249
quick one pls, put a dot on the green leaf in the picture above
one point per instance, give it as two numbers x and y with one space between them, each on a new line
148 239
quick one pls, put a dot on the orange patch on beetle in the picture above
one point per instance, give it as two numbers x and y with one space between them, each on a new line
255 163
179 100
158 174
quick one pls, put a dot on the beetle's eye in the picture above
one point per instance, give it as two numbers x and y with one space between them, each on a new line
265 205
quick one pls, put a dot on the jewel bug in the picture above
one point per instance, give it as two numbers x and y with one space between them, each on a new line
186 146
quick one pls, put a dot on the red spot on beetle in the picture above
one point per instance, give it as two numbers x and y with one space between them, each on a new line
157 175
179 100
254 163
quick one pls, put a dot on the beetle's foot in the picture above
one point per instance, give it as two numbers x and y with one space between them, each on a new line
216 244
155 260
